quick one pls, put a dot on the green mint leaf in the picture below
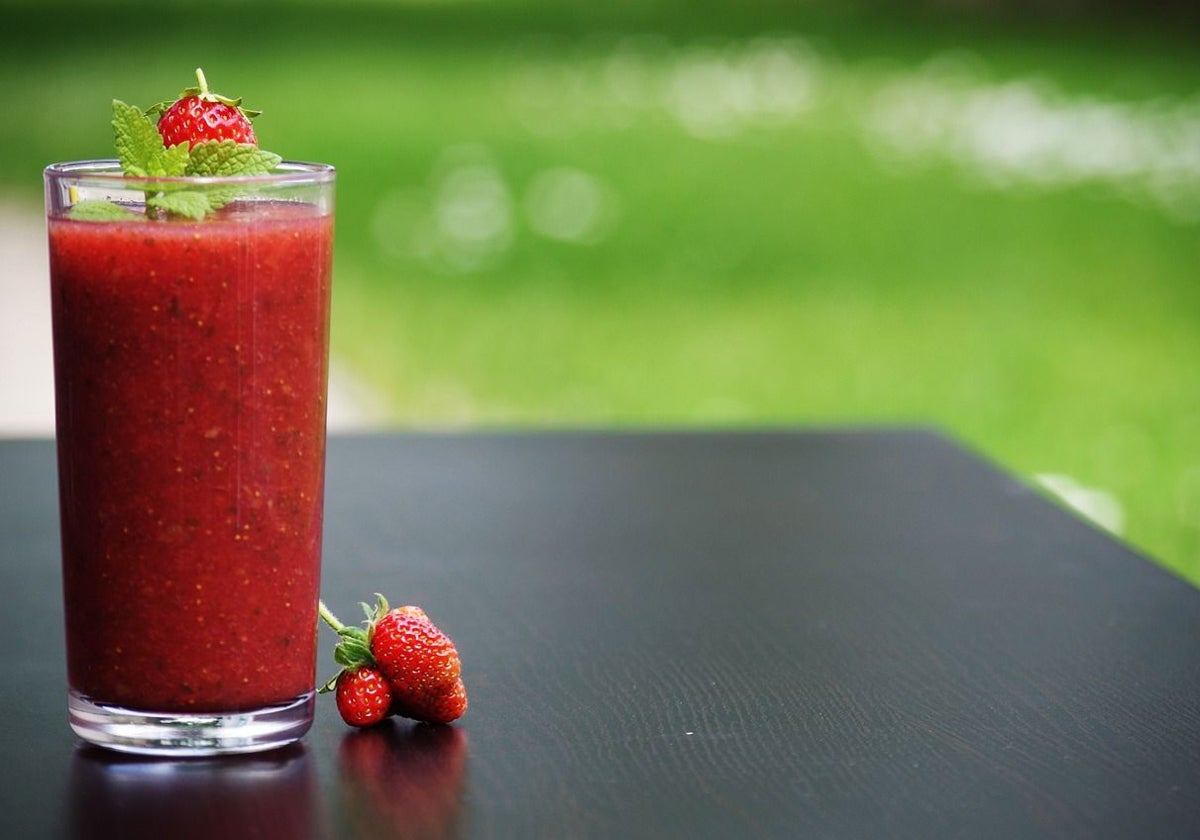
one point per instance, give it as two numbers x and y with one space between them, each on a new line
228 158
172 162
142 155
95 210
138 142
186 203
140 147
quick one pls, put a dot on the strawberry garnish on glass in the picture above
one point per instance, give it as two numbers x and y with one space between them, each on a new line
199 115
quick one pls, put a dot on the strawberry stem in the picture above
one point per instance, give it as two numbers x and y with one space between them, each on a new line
354 648
203 82
327 616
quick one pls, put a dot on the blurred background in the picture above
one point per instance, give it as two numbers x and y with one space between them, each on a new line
982 215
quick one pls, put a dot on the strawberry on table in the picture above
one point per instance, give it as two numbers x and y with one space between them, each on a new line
364 697
418 661
412 652
441 704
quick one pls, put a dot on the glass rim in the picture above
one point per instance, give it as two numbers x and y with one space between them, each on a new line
108 171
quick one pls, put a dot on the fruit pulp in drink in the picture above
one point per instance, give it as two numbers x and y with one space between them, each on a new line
191 363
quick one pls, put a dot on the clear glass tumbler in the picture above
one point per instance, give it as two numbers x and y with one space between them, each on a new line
191 361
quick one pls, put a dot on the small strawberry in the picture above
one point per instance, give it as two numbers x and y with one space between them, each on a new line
200 115
419 662
364 697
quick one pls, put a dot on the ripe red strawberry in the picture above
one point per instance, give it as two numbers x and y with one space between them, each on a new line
436 705
413 654
200 115
364 697
419 662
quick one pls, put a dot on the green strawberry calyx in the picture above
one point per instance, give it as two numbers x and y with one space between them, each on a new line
201 90
353 650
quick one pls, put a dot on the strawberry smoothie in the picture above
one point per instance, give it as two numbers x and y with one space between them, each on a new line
191 362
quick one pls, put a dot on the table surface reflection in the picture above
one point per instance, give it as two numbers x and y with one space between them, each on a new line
834 633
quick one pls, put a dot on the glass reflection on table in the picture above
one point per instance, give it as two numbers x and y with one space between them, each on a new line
263 795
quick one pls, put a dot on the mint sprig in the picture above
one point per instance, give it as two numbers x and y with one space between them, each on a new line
96 210
190 204
142 154
220 158
140 148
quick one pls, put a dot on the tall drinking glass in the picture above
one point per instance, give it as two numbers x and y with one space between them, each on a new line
190 361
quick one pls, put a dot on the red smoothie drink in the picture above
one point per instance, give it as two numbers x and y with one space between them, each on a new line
191 359
191 363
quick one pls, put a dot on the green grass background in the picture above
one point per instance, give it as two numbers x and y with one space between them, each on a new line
780 276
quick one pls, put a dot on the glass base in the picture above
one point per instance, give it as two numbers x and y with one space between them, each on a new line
174 734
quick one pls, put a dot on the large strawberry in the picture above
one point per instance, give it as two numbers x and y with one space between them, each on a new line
437 704
412 652
199 115
419 661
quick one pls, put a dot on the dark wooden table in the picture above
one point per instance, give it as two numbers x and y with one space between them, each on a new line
812 634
